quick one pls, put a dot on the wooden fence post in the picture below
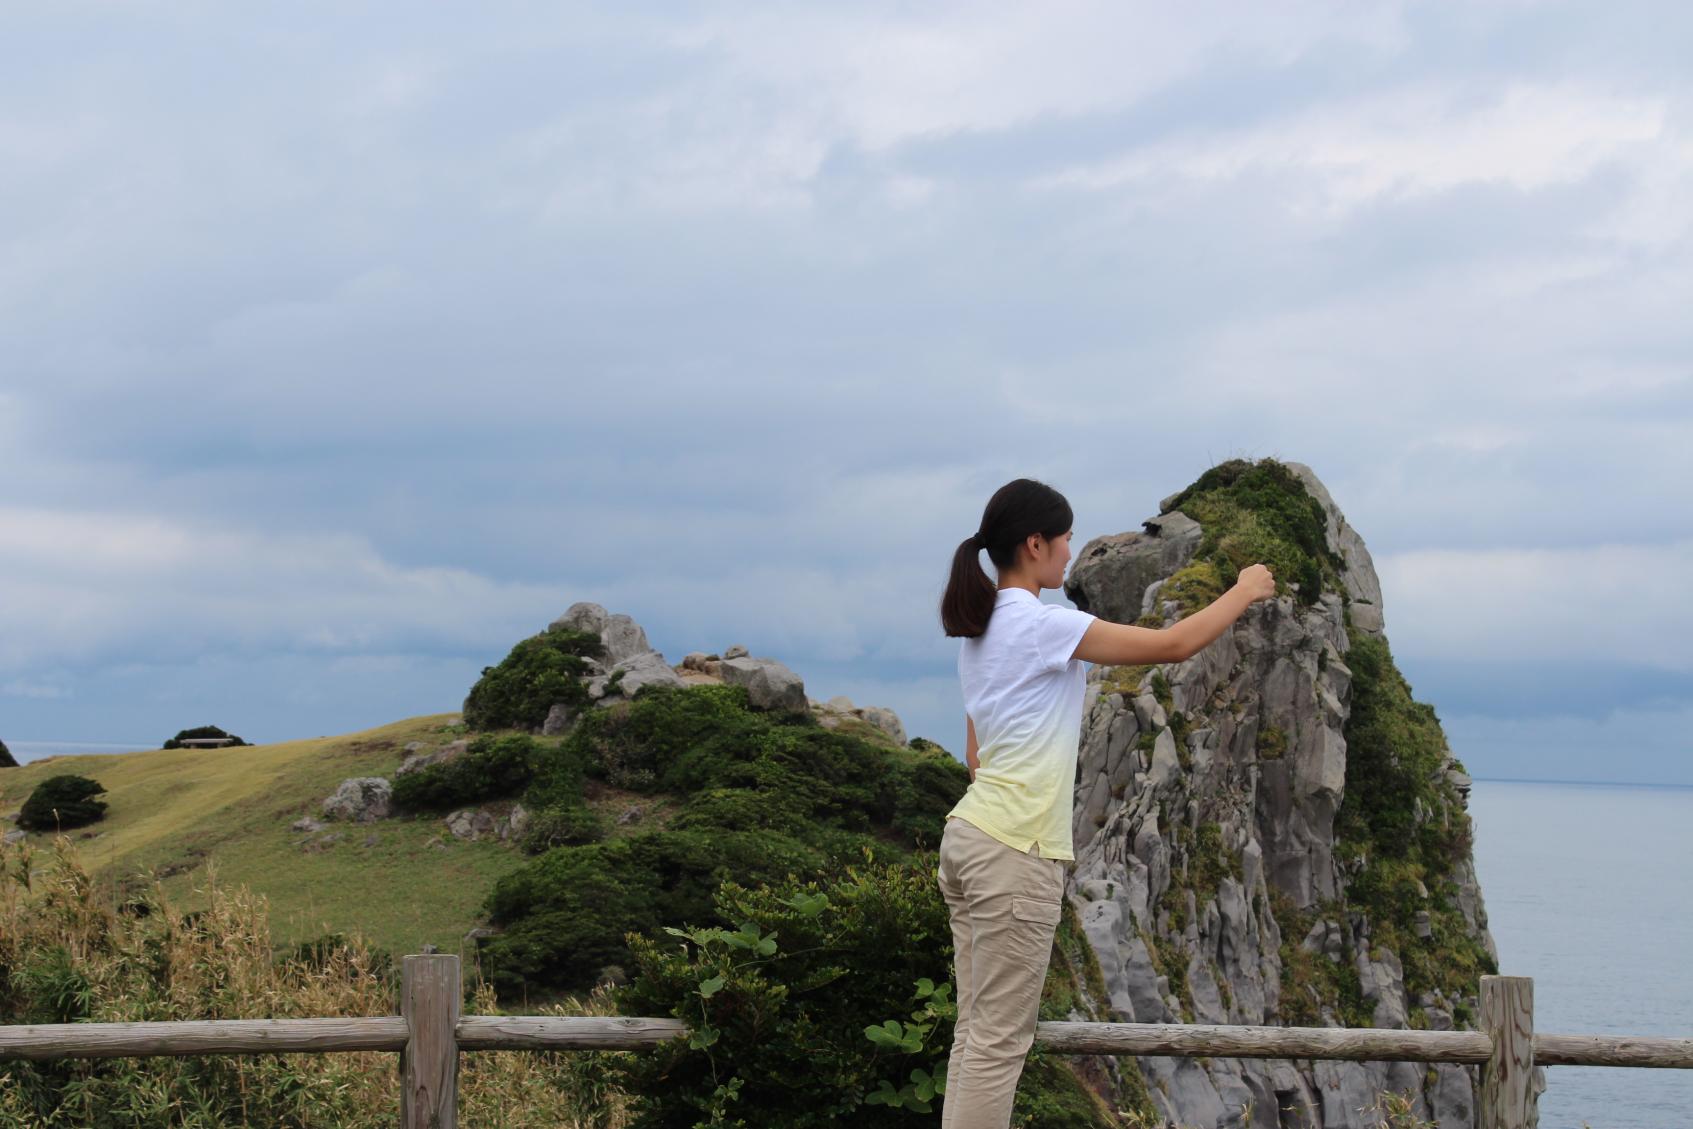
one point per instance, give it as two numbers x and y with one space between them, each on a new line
1508 1093
430 993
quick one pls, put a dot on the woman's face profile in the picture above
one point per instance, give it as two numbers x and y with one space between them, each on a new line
1051 559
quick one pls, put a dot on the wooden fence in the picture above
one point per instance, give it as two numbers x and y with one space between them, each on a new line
429 1033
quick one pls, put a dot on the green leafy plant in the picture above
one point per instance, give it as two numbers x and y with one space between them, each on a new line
912 1038
787 1007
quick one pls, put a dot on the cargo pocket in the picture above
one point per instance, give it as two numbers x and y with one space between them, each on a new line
1033 909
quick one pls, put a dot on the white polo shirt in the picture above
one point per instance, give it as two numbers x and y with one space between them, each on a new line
1023 692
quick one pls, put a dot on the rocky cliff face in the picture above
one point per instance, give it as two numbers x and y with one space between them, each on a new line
1274 831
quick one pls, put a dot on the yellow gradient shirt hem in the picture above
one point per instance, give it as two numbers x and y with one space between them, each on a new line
1020 844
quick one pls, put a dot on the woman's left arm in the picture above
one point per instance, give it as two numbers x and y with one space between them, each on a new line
970 747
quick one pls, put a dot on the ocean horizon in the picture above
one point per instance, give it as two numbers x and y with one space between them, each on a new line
26 751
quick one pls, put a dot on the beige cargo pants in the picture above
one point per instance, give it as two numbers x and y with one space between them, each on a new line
1005 907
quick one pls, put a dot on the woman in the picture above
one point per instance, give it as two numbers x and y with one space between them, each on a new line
1002 856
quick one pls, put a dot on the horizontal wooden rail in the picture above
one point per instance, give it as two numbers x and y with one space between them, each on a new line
430 1033
584 1033
1190 1040
565 1033
203 1036
1612 1050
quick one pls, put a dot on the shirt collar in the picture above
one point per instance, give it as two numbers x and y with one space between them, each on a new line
1008 594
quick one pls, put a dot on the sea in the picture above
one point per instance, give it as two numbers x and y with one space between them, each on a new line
25 751
1589 890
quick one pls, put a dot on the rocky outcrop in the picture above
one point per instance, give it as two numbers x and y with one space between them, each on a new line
418 758
770 684
630 663
620 682
489 821
558 719
1207 793
7 760
361 799
835 712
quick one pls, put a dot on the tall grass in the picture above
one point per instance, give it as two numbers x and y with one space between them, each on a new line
70 952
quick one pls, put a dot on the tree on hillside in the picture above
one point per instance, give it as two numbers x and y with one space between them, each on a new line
201 733
62 801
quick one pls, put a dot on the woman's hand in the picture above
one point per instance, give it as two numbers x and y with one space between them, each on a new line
1257 582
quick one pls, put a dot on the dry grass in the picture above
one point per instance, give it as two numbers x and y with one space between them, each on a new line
68 949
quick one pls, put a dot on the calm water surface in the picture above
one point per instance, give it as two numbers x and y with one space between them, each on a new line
1589 890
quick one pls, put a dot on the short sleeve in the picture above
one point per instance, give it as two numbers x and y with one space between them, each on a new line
1057 633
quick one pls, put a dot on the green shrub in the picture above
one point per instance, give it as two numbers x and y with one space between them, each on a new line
62 801
1395 759
737 809
539 673
562 825
818 1002
763 793
671 738
489 768
559 773
924 790
565 915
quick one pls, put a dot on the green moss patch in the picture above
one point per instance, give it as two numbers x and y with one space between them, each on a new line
1253 512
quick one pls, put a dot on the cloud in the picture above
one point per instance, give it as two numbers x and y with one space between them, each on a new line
732 319
1589 604
24 688
1403 143
90 587
885 74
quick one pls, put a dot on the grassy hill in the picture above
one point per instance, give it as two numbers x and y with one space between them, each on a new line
179 811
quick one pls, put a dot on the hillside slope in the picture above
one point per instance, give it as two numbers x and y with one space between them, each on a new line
179 811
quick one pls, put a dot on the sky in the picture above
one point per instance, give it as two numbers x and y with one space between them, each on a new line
344 345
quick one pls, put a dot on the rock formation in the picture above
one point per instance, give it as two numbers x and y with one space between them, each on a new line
360 799
630 663
1221 874
499 820
417 758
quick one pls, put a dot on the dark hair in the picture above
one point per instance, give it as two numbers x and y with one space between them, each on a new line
1017 511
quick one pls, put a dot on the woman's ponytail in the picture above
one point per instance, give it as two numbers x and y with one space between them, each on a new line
1017 510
